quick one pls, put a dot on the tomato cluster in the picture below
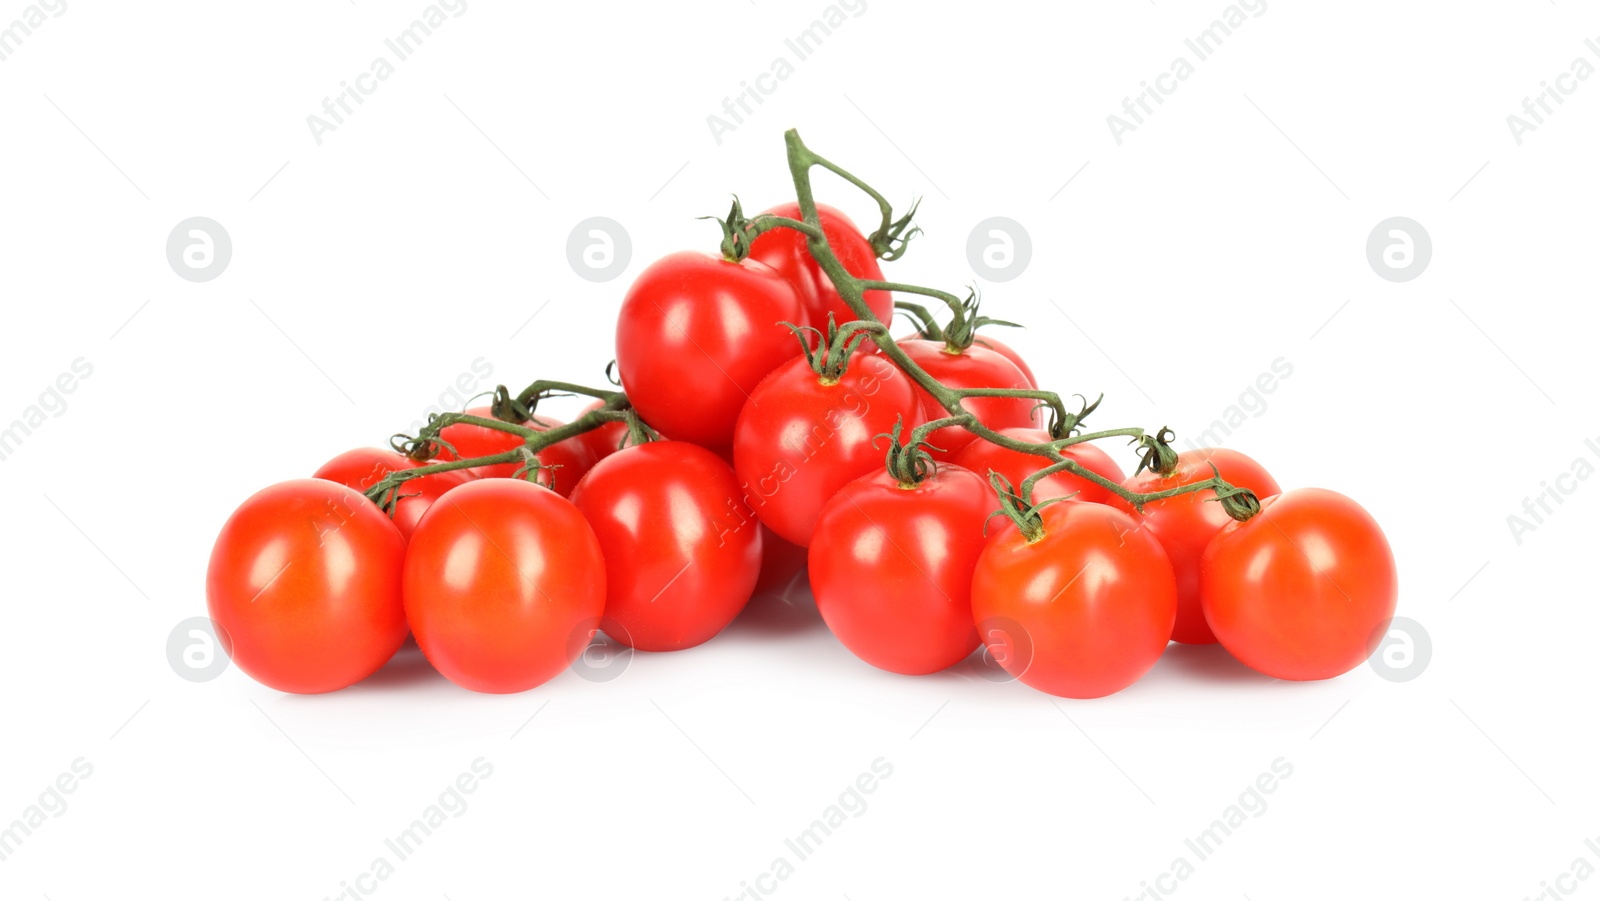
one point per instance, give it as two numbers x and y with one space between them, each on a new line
764 421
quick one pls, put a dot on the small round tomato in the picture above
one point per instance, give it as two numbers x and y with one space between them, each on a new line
504 584
304 586
1083 610
983 456
974 367
1186 523
891 567
784 249
562 463
365 466
605 440
803 436
1303 589
1005 350
695 335
682 550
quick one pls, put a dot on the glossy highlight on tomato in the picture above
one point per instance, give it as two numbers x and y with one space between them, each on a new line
304 587
1304 589
695 335
891 568
802 437
682 551
1083 611
504 583
785 250
1186 523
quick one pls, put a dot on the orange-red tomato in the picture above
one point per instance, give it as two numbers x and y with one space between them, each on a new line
1302 590
891 567
504 585
1186 523
802 437
1081 612
682 551
695 335
304 586
563 463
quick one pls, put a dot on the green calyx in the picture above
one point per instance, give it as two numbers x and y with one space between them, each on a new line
1156 453
910 464
829 354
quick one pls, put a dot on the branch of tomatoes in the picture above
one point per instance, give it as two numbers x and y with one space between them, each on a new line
510 412
889 241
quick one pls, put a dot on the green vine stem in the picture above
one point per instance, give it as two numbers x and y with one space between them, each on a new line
852 291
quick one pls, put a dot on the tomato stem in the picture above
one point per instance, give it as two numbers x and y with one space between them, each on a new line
889 241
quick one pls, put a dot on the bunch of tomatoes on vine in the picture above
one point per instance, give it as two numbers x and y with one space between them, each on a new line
762 416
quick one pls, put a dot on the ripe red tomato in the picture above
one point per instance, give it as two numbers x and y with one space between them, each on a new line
695 335
802 437
995 344
304 586
891 567
607 439
1083 611
785 250
982 456
682 550
503 584
975 367
564 462
1303 589
1186 523
363 467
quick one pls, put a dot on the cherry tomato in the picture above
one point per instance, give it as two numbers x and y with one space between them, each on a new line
784 249
695 335
363 467
975 367
1186 523
564 462
605 440
891 567
504 584
1081 612
1302 590
982 456
682 550
1004 350
802 437
304 586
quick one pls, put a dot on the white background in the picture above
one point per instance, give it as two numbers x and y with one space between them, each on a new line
1169 271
